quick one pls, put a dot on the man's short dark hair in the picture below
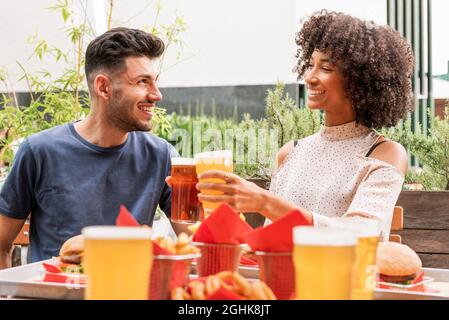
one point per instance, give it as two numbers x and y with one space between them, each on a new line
109 51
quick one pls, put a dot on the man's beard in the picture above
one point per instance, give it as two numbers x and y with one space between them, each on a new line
120 114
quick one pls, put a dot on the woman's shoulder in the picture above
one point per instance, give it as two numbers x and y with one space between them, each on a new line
287 148
391 152
284 151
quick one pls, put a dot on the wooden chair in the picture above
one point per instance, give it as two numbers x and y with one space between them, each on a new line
397 224
22 240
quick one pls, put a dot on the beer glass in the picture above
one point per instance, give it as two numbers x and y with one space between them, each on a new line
118 262
367 232
324 259
213 160
185 206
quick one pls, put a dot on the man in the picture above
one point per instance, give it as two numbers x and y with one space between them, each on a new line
78 174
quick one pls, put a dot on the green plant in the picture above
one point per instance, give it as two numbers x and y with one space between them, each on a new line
291 122
255 142
430 148
58 99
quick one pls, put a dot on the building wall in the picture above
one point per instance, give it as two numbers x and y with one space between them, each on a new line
226 43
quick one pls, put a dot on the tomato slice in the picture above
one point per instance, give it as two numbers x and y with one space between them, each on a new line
51 268
418 278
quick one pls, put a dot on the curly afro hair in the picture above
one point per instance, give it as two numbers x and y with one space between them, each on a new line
376 63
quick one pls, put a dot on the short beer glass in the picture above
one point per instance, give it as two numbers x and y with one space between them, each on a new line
118 262
323 259
367 232
213 160
185 206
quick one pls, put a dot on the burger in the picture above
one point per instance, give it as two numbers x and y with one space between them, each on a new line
397 263
71 255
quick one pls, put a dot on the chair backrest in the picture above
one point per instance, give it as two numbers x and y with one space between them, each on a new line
397 224
23 238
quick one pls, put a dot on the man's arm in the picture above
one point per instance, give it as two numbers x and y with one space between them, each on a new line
9 229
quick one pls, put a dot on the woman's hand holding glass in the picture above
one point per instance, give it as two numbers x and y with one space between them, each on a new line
240 194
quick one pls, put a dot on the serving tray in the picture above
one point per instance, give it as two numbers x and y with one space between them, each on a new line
26 282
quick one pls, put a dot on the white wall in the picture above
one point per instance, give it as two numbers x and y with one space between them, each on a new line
19 20
375 10
228 42
440 25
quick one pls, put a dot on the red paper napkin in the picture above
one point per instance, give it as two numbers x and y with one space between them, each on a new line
157 250
248 261
54 274
277 236
125 218
222 226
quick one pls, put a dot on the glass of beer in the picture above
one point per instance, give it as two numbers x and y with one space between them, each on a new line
213 160
185 206
118 262
367 232
324 261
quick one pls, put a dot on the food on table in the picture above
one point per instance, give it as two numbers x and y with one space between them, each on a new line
398 263
71 255
192 228
233 282
181 246
68 266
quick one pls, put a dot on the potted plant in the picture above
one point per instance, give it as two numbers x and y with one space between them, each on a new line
425 197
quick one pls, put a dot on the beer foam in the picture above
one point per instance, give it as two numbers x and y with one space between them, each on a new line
116 233
179 161
361 227
323 236
221 154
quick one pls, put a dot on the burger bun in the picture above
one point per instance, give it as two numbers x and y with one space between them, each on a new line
397 260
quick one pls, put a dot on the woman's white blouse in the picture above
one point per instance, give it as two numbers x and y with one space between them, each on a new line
329 174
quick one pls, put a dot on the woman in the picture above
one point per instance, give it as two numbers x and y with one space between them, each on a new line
359 74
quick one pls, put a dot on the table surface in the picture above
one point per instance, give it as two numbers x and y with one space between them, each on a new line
15 283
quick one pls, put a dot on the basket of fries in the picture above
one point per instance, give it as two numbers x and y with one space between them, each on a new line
277 271
217 257
172 269
224 285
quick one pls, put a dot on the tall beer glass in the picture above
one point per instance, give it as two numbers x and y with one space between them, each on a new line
118 262
185 206
213 160
324 260
367 232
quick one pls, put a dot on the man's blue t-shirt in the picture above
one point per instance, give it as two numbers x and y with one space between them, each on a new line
67 183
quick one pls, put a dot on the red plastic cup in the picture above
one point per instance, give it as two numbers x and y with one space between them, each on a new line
277 271
217 257
169 272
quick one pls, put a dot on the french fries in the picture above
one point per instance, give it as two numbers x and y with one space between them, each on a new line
180 247
232 281
193 227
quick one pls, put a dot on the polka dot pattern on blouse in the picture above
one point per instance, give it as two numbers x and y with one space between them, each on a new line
329 174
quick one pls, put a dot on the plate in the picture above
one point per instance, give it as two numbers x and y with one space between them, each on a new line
407 287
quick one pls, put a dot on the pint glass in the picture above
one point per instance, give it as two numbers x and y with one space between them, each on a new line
213 160
118 262
185 206
323 259
367 232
